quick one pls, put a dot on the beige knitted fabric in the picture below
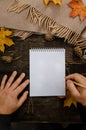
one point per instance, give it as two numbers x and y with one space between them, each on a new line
37 17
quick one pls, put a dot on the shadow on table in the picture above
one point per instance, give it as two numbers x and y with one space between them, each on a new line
44 126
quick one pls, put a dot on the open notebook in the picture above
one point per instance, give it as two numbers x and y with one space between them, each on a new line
47 72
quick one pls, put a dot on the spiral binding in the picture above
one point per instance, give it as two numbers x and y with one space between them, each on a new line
47 50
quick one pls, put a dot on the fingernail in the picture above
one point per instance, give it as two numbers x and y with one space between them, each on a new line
27 92
5 75
23 74
28 80
15 72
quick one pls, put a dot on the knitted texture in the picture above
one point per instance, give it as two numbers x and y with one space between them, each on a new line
37 17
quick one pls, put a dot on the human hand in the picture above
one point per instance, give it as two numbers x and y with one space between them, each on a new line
9 91
77 92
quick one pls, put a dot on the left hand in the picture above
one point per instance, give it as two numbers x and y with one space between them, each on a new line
9 91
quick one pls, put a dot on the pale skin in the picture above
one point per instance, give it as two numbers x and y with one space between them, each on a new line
9 91
77 92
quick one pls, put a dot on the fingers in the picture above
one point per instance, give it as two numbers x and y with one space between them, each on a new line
73 90
3 82
18 81
10 80
19 89
77 77
22 99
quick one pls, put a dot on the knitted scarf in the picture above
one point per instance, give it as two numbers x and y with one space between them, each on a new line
31 16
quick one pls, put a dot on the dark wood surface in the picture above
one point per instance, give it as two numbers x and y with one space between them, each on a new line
43 109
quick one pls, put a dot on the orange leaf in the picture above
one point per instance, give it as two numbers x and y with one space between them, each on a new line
68 100
78 9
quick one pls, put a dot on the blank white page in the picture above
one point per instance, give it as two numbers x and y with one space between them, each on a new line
47 72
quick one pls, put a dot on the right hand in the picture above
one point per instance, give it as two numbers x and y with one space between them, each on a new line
78 93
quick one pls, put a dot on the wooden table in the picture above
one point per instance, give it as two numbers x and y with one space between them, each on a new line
46 109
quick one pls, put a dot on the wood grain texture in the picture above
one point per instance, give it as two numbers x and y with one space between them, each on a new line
47 109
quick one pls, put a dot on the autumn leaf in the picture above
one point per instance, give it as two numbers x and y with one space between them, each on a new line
7 59
78 9
68 100
4 39
59 2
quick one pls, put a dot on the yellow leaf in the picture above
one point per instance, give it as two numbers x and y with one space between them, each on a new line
7 32
1 41
59 2
4 32
8 42
2 48
4 39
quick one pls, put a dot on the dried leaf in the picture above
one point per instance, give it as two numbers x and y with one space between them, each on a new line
2 48
59 2
78 9
68 100
49 37
7 59
61 97
4 39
